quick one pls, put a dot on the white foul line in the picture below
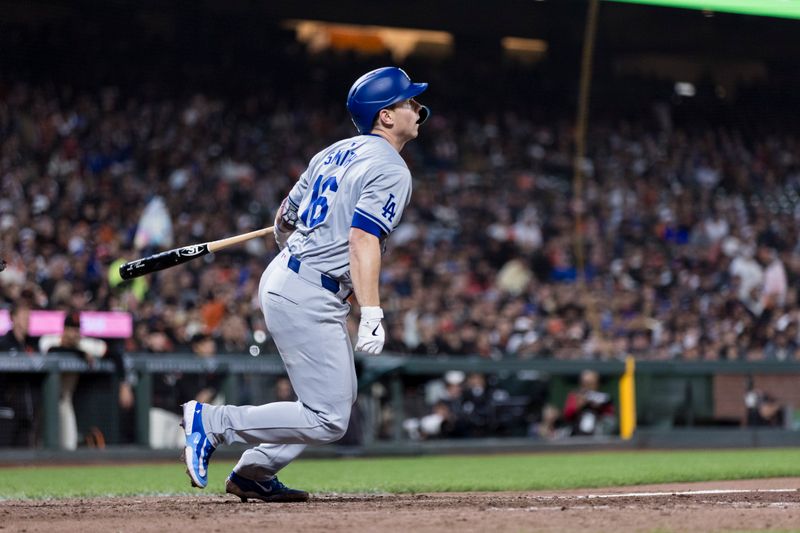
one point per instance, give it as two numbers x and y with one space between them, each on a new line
645 495
685 493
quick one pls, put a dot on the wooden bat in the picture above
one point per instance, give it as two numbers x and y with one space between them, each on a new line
178 256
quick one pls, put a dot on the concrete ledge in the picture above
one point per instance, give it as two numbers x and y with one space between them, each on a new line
716 438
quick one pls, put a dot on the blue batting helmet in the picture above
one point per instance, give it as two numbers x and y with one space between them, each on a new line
379 89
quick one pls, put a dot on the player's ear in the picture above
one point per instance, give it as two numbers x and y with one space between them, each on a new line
385 118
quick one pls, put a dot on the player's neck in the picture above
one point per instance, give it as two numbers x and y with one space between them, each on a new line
396 143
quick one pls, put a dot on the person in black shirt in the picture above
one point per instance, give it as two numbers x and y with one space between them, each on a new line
168 388
17 340
70 342
202 387
19 394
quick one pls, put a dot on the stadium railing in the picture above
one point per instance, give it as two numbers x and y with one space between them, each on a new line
669 395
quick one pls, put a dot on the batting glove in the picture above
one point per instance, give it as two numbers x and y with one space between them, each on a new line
370 331
285 223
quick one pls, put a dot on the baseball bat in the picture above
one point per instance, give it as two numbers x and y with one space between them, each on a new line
178 256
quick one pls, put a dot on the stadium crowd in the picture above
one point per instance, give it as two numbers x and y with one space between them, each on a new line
689 237
687 222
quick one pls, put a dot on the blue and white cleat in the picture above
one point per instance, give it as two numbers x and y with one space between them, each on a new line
198 447
268 491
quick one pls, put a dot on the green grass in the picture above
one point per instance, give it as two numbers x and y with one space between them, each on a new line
418 474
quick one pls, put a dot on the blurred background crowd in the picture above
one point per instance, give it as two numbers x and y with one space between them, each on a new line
689 234
683 245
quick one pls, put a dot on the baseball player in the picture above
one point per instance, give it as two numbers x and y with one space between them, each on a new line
330 230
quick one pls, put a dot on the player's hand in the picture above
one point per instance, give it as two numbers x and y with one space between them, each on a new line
370 331
285 223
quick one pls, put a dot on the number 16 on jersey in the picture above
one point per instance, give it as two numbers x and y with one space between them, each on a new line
317 208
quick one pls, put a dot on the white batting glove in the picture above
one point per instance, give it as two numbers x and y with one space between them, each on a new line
370 331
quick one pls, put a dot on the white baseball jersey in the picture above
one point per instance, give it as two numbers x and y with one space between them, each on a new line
357 182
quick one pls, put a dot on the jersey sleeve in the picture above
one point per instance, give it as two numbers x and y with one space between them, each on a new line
382 201
297 192
300 188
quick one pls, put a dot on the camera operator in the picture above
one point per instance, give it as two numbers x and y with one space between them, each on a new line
587 410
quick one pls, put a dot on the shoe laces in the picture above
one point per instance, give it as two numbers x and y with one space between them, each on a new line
278 485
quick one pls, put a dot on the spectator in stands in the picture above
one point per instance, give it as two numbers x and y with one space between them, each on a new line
70 342
763 410
550 427
453 398
19 396
782 342
17 340
440 423
234 335
164 420
204 387
587 410
775 286
477 406
170 387
446 417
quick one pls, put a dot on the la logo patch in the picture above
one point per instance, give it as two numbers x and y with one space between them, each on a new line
389 208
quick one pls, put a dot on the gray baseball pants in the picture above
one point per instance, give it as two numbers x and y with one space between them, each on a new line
308 324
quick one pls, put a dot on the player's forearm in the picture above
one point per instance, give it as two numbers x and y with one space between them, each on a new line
365 267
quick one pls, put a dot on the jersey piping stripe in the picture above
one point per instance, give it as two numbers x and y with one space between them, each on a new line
375 219
363 223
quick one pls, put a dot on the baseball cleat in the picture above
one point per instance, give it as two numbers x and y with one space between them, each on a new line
271 490
198 447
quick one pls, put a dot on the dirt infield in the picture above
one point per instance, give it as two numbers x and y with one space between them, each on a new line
753 505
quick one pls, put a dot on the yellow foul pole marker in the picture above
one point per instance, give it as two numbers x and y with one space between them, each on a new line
627 400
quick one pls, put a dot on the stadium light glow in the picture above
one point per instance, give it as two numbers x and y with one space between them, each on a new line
524 45
528 51
766 8
401 42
